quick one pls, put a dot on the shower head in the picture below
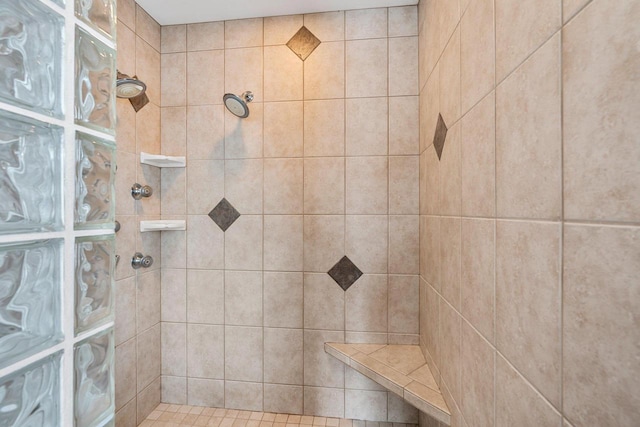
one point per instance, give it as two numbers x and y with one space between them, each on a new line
238 104
127 87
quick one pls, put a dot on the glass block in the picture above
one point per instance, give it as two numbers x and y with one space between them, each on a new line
94 272
31 39
30 175
30 292
31 396
100 14
94 382
95 182
59 2
95 104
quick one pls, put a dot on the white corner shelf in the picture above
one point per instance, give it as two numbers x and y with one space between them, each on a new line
161 161
163 225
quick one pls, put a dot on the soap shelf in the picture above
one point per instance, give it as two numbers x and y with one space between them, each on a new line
161 161
163 225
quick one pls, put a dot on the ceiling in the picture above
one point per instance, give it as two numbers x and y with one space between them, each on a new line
171 12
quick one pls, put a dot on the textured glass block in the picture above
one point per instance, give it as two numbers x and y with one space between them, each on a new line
95 104
94 383
95 270
30 288
59 2
31 396
95 182
30 175
100 14
31 38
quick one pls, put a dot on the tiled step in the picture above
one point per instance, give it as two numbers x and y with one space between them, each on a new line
400 368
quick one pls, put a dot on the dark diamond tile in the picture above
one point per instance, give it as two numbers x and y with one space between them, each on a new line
345 273
139 101
440 136
303 43
224 214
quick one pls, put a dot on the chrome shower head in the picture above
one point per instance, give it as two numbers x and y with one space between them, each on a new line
237 105
127 87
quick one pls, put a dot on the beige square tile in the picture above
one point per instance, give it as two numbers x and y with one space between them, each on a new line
205 296
430 250
367 244
205 351
173 189
599 51
283 186
403 66
429 109
366 126
173 131
279 85
327 26
205 132
174 349
244 71
324 302
450 330
148 300
125 244
283 242
243 298
148 69
324 72
320 368
450 80
478 368
126 53
148 357
283 398
125 321
173 38
205 36
517 403
148 133
125 373
367 185
404 244
528 110
365 23
478 164
478 274
366 68
477 53
450 194
174 79
283 129
430 197
205 392
322 400
283 300
243 137
278 30
205 77
404 125
147 28
600 302
324 185
148 399
243 33
279 345
450 256
366 304
204 237
520 30
324 242
448 15
127 13
354 380
571 7
174 390
528 313
366 404
204 177
243 354
403 21
125 178
404 197
125 126
243 244
243 185
243 395
324 128
399 411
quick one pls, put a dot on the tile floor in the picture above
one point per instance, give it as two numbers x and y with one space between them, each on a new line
166 415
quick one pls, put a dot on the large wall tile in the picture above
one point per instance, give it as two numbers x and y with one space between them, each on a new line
283 186
324 128
283 302
366 304
283 242
366 68
324 183
324 241
324 71
478 368
367 185
243 298
283 129
205 36
205 351
205 88
279 345
366 126
278 84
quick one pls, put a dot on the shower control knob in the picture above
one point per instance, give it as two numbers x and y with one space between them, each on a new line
139 191
141 261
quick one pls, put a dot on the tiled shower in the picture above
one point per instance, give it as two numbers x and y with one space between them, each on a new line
458 176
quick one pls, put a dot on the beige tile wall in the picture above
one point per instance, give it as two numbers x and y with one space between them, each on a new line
138 299
326 165
530 237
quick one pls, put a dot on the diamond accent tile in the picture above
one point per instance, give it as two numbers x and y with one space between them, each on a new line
345 273
224 214
440 136
303 43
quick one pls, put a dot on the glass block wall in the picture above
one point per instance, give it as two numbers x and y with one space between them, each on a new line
57 170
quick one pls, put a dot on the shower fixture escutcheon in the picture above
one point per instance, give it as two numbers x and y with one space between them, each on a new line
139 191
141 261
237 105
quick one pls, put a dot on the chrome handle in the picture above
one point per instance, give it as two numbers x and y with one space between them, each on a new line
139 191
141 261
